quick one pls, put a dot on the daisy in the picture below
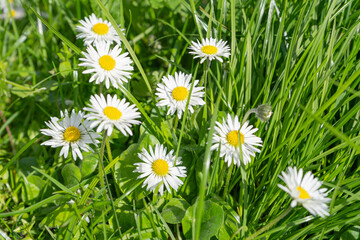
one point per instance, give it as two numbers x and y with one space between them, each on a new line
16 9
160 169
175 91
210 49
227 137
110 112
108 64
71 131
97 31
306 191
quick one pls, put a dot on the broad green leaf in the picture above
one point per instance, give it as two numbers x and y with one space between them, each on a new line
89 164
174 211
4 176
26 163
351 234
124 168
124 175
31 190
58 218
65 68
71 174
231 220
99 232
211 221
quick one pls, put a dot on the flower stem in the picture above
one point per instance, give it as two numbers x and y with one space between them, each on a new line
247 114
101 165
270 224
228 180
108 149
101 177
244 187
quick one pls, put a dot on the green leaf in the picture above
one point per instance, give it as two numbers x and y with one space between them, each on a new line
231 219
71 174
57 33
33 186
65 68
58 218
156 4
26 163
124 175
125 216
174 211
89 164
4 176
211 221
351 234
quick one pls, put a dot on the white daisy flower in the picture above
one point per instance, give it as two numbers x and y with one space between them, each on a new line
71 131
97 31
158 168
108 64
210 49
306 191
110 112
175 91
16 9
227 136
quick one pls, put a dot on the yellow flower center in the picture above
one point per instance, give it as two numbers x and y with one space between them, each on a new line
112 113
180 93
233 138
160 167
100 28
72 134
208 49
303 193
107 62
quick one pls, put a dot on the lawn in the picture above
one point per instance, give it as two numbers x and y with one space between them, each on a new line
179 119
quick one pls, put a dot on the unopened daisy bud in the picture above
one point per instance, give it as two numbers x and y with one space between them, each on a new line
263 112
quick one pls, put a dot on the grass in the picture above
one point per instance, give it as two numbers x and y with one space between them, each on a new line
301 57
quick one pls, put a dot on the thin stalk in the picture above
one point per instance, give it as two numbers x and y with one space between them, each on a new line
221 178
101 177
185 115
247 114
228 177
244 187
193 9
108 149
270 224
199 205
101 164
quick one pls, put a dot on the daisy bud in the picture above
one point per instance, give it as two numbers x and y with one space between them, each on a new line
263 112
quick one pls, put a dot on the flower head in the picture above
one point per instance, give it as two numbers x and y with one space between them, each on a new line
174 92
230 134
97 31
306 191
110 112
263 112
15 11
159 168
107 64
210 49
72 131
